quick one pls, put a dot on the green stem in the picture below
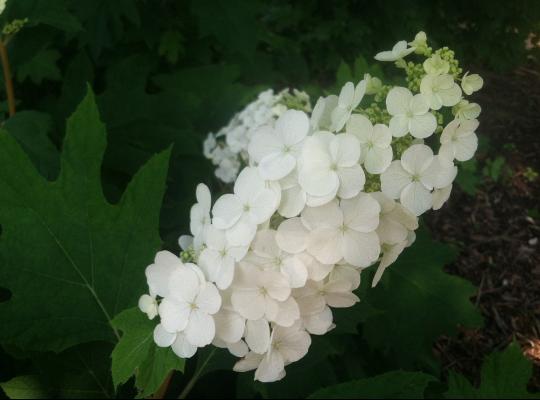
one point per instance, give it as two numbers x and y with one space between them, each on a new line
196 376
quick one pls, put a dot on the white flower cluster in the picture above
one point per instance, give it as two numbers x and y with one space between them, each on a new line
322 197
227 149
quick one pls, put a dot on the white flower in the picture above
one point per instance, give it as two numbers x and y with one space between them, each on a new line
230 326
293 197
228 170
178 342
409 114
200 215
471 83
148 305
218 258
412 178
435 65
189 306
465 110
349 98
399 51
276 149
419 42
395 221
159 273
332 292
344 230
373 84
440 90
268 255
329 166
251 204
376 154
441 196
261 293
288 345
209 145
458 140
390 254
321 117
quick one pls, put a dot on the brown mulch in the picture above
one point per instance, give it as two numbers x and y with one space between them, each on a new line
499 239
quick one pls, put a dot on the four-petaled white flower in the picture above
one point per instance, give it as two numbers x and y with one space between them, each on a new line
344 230
349 98
259 293
189 306
410 114
440 90
399 51
218 258
251 204
376 154
276 149
287 345
266 254
329 166
458 140
412 178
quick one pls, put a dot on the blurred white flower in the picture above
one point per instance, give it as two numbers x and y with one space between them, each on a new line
440 90
471 83
399 51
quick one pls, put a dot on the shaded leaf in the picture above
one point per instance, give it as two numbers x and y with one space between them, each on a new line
391 385
70 259
505 375
418 302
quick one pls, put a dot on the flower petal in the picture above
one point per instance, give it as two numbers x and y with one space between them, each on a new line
416 198
394 179
201 329
360 249
227 211
397 100
351 181
423 126
163 338
293 126
182 347
258 335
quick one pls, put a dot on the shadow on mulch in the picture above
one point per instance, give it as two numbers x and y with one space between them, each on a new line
498 230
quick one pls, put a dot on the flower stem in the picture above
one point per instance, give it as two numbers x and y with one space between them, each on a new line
7 78
196 376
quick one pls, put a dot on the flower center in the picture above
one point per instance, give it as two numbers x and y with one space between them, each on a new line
247 207
415 178
194 307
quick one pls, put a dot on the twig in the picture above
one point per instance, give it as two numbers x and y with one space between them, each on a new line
162 391
7 78
196 376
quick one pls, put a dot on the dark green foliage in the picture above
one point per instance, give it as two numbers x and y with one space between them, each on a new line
164 73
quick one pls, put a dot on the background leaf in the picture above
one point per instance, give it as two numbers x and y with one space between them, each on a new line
505 375
66 290
392 385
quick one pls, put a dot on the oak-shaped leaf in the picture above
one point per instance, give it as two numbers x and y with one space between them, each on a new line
70 259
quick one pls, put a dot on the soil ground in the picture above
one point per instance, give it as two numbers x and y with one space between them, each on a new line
498 229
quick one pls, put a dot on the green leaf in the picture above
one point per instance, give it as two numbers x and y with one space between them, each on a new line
54 13
79 372
70 259
505 375
136 353
468 178
41 67
31 129
391 385
418 302
24 387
